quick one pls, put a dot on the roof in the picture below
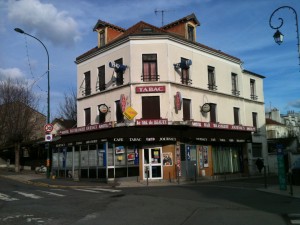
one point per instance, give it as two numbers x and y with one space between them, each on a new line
183 20
254 74
146 29
273 122
101 23
67 124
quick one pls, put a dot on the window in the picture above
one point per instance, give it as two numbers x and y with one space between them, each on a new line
213 113
211 78
191 31
236 114
87 81
252 90
186 109
102 38
101 116
119 113
185 73
119 78
257 150
254 119
151 107
149 67
87 113
101 78
234 82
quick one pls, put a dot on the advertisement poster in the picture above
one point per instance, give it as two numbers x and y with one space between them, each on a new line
167 159
204 150
120 150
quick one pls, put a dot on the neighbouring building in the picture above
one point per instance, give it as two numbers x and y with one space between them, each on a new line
25 122
282 133
154 103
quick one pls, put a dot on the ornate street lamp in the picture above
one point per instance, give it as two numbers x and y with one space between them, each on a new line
48 98
278 36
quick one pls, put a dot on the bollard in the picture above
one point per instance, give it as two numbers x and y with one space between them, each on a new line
195 173
291 182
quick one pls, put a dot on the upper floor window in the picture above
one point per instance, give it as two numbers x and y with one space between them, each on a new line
151 107
252 90
101 78
102 38
213 113
87 115
149 67
191 33
87 83
185 72
236 114
119 77
254 119
211 78
186 103
119 112
234 83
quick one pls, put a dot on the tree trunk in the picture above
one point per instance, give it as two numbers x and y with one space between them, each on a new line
17 157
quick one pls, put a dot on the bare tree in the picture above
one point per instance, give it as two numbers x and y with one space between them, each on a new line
18 107
68 108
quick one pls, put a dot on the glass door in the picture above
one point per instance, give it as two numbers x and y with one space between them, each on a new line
152 160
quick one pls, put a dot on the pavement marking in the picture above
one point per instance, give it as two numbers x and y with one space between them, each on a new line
105 189
51 193
86 190
295 221
7 198
28 195
294 218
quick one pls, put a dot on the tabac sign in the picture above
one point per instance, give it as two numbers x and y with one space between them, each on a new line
150 89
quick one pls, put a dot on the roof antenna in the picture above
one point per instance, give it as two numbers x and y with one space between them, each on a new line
162 15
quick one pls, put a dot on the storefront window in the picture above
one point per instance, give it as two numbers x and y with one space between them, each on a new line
226 159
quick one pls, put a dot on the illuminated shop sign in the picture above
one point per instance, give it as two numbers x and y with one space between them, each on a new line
151 122
150 89
87 128
222 126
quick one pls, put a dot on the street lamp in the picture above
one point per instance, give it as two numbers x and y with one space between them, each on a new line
278 36
48 95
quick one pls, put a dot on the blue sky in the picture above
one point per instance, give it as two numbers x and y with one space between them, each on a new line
239 28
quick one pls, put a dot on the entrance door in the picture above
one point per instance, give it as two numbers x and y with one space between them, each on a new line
188 160
152 160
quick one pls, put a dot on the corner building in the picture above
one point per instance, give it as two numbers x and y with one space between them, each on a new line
154 103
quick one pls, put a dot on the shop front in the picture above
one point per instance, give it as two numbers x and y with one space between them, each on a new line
164 152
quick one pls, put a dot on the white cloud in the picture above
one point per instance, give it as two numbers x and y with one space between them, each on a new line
12 73
45 20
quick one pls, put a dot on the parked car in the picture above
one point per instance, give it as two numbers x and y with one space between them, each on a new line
41 169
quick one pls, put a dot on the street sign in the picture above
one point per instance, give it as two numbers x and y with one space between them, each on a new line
48 137
48 128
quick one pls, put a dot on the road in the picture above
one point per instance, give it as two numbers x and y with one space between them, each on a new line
213 203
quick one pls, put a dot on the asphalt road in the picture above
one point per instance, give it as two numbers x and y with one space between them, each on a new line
230 202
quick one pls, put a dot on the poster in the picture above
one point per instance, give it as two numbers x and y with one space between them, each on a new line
204 150
120 150
167 159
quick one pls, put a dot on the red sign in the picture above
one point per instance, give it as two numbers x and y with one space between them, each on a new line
153 122
150 89
123 102
178 101
222 126
48 128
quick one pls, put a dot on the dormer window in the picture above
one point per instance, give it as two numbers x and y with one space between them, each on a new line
191 33
102 38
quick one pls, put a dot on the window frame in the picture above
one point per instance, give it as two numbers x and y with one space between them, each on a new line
236 115
148 62
190 32
255 120
253 95
119 113
87 83
213 113
87 116
149 108
185 72
186 109
102 38
234 84
101 78
211 78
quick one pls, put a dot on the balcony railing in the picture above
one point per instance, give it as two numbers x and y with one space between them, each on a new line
153 77
212 87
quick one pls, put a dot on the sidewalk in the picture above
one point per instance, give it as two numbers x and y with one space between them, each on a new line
30 177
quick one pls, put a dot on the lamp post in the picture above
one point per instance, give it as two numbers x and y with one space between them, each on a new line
278 36
48 95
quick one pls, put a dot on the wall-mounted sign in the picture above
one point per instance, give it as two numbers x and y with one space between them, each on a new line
150 89
130 113
123 102
205 108
178 101
103 108
151 122
222 126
